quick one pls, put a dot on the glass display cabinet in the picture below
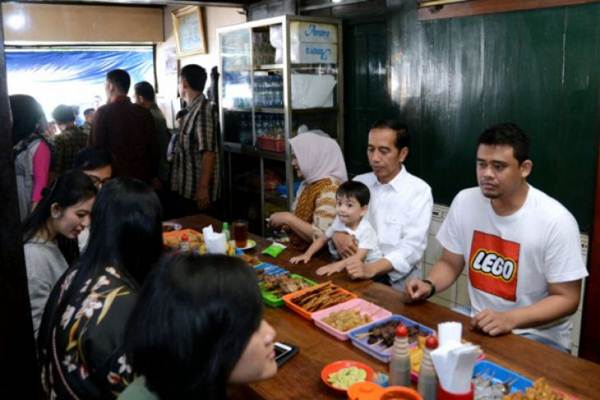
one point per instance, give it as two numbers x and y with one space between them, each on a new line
279 75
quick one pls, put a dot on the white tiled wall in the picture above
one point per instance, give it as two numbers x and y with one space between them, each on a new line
457 296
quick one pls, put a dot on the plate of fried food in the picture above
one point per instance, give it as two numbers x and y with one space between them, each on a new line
173 239
316 298
340 319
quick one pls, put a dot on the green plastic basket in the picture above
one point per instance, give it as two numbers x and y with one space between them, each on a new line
272 300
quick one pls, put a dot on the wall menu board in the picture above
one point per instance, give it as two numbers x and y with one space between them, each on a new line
188 23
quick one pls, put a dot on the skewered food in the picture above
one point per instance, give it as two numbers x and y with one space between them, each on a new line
320 297
282 284
539 391
384 334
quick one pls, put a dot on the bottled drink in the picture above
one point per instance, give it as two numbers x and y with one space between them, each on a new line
427 378
226 231
184 244
400 361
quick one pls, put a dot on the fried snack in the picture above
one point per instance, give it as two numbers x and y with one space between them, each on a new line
253 261
320 297
282 284
173 238
539 391
344 320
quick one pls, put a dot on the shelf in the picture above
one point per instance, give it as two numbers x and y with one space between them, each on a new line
312 110
233 109
269 110
268 67
238 148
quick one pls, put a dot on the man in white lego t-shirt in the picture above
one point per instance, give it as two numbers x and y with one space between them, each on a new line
521 247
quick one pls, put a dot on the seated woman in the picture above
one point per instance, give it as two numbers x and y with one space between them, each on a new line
50 236
318 160
31 151
196 327
81 337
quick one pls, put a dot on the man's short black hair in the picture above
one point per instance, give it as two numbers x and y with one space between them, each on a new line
146 90
120 78
509 134
63 114
354 190
91 158
195 76
401 131
88 111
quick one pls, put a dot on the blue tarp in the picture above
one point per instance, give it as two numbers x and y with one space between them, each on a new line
74 77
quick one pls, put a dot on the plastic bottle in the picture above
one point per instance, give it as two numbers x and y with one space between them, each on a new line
184 244
226 231
400 361
427 377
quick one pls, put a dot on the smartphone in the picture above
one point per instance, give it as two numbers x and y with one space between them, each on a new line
284 352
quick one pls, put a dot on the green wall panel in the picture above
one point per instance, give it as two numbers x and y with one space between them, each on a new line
449 79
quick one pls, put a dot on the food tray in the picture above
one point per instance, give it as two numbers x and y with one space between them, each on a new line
273 300
271 269
498 374
173 238
287 299
375 312
378 351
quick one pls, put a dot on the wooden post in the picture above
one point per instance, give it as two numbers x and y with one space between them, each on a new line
17 345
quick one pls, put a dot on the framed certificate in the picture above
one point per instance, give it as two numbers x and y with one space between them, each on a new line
188 24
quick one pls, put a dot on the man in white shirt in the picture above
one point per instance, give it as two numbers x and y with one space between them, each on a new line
521 246
400 210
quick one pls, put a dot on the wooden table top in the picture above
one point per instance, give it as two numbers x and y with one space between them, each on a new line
299 378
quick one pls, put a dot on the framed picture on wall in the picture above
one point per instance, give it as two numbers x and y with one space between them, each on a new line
188 25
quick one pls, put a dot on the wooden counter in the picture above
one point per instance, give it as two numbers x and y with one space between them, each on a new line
299 378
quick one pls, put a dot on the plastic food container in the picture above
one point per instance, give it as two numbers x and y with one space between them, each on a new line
371 391
337 365
498 374
375 312
378 351
273 300
288 299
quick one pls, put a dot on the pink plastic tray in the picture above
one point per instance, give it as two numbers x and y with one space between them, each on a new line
361 305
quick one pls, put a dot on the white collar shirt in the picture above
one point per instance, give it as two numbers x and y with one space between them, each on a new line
400 213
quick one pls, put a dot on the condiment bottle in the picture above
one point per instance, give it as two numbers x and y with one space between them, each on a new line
184 244
427 377
226 231
400 361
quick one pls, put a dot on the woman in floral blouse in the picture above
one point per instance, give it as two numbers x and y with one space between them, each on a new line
82 332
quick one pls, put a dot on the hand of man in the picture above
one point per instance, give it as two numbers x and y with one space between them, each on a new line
203 198
298 259
416 289
345 244
330 269
278 219
493 323
358 270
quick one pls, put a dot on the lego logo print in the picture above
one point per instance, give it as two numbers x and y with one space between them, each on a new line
492 263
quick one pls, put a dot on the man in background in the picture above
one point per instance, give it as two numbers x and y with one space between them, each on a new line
88 116
127 131
68 142
195 165
146 97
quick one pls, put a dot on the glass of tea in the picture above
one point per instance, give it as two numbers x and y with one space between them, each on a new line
240 233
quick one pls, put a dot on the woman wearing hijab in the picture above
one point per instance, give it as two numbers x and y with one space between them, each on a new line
318 160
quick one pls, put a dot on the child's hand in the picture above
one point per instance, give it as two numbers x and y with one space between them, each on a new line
330 269
297 260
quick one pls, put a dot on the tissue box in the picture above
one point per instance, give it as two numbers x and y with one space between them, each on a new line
310 32
313 53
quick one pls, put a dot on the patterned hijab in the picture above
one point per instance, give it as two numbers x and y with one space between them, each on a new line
319 156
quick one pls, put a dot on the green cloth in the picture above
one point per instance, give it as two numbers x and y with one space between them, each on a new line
137 390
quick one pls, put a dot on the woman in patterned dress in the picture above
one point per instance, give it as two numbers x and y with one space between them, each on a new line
82 332
318 160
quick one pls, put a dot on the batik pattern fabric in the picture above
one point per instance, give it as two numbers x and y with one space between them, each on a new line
82 350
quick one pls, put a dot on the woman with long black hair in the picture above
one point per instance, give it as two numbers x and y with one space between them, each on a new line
82 332
50 235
